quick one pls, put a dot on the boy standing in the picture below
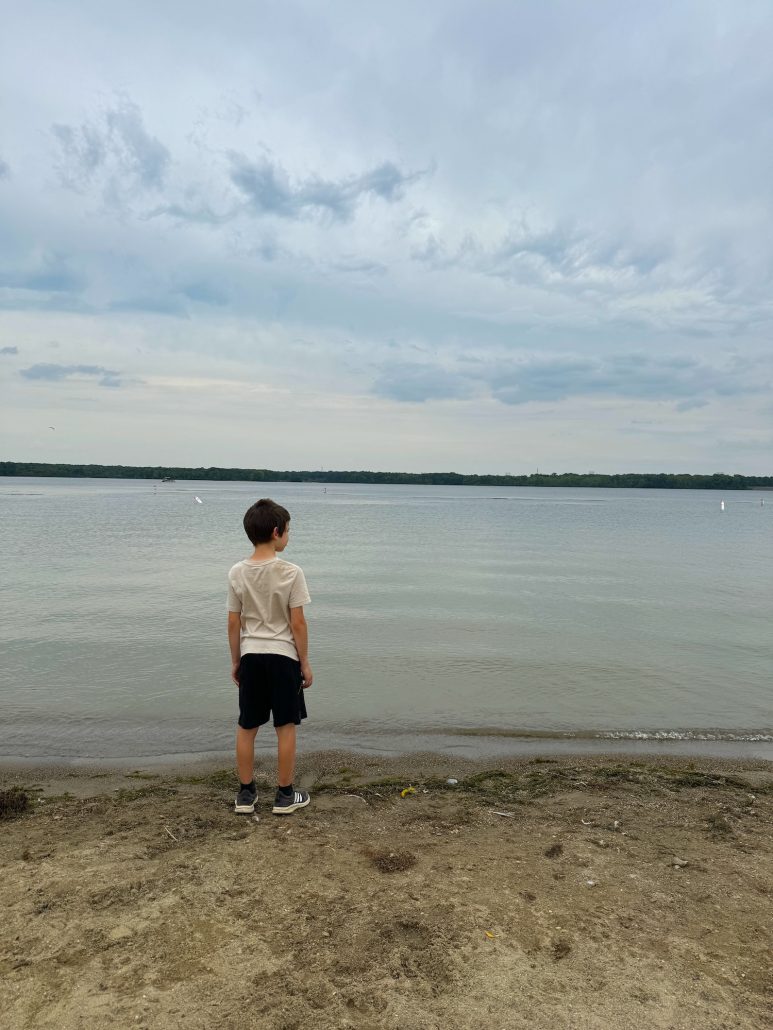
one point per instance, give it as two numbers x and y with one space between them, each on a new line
268 637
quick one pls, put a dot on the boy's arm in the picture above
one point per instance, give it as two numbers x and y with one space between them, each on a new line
300 633
234 642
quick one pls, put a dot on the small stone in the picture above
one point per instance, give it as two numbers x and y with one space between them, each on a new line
119 933
679 863
591 883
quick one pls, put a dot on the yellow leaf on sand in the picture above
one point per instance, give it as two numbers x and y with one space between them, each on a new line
491 936
407 791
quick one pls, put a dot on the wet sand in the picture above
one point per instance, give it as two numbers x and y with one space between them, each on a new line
572 891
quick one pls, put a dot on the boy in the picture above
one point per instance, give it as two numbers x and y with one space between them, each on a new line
268 637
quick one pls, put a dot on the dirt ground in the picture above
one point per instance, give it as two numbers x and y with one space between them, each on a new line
546 893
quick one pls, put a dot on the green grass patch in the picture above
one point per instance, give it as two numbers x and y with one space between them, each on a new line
221 779
124 795
693 778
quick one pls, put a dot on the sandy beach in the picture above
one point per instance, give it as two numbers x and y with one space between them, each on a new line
593 892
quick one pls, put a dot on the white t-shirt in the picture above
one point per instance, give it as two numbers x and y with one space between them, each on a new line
264 592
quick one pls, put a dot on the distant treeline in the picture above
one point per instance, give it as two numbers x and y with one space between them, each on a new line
656 480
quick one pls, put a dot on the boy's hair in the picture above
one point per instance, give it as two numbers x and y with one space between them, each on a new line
263 518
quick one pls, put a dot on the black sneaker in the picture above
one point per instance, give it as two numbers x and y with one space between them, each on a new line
286 804
245 801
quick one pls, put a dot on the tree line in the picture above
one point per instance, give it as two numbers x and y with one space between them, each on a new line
650 480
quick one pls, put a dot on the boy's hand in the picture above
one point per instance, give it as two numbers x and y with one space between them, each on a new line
235 672
307 676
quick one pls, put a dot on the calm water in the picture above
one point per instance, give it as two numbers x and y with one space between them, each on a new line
640 615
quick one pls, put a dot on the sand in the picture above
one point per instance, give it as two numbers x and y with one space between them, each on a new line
544 893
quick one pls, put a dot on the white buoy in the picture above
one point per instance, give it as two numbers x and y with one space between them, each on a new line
721 505
198 500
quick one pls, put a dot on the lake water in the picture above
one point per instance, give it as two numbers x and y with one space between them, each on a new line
560 617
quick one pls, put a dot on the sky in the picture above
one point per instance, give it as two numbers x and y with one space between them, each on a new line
481 237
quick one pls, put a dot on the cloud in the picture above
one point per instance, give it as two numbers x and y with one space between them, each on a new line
691 404
156 305
115 152
57 373
417 383
197 214
566 255
5 171
205 293
269 189
528 378
630 375
9 350
50 274
361 266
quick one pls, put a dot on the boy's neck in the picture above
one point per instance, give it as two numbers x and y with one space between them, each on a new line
263 552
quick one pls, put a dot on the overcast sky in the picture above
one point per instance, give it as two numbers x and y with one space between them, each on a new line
481 237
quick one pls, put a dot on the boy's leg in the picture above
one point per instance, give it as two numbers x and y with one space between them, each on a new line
285 738
245 753
287 800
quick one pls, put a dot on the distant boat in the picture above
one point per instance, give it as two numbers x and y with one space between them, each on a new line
168 479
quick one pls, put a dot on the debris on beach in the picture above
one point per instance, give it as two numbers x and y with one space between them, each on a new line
406 791
451 781
554 850
560 948
679 863
13 802
391 861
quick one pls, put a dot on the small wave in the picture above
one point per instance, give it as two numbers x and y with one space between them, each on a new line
751 737
745 736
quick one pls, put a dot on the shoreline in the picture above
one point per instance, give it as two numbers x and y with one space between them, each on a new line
314 766
533 893
482 745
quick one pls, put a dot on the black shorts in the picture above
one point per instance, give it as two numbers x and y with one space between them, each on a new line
270 683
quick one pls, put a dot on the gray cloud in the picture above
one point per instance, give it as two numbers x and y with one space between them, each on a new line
5 170
564 256
269 189
162 304
417 383
203 292
9 350
50 274
196 214
115 152
56 373
691 404
629 375
360 266
633 375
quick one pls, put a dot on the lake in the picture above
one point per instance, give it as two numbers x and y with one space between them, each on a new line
558 618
